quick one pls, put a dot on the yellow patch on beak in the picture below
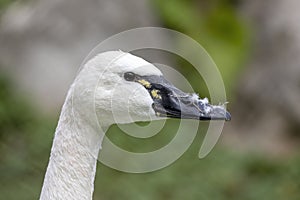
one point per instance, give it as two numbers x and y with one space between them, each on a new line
155 94
144 83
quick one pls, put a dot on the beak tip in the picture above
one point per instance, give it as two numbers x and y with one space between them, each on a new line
220 114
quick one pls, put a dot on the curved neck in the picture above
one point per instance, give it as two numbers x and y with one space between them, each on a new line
72 165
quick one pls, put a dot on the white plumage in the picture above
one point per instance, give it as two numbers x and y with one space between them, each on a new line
113 87
71 169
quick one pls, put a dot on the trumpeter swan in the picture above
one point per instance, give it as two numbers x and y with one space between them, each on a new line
121 88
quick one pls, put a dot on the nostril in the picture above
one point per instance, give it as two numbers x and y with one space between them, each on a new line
153 105
228 116
201 106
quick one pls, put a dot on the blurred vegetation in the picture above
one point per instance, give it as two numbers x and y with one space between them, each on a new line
4 4
25 141
26 135
218 27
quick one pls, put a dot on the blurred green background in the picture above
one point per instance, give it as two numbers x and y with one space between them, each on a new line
229 172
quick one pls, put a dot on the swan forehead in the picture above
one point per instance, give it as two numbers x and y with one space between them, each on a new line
130 63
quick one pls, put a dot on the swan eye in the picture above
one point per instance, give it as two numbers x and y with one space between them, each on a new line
129 76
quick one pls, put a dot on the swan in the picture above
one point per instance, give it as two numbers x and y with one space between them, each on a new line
114 87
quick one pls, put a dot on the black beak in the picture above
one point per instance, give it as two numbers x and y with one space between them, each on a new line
169 101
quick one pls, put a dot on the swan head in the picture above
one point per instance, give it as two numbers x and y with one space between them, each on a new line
130 89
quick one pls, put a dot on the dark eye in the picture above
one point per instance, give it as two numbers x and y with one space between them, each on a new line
129 76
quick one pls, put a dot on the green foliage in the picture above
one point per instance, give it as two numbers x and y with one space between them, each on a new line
5 3
25 140
223 175
217 26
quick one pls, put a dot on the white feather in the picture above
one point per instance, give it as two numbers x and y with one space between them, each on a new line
98 89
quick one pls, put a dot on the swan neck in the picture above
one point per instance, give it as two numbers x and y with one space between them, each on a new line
73 160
